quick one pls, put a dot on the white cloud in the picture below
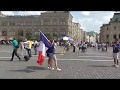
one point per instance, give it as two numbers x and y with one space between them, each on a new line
86 13
30 12
7 12
84 28
107 17
93 21
22 12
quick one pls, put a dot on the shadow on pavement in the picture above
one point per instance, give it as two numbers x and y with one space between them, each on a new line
24 70
30 69
99 66
5 60
36 68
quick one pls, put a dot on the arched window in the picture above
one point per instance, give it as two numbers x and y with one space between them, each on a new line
107 36
54 21
20 32
114 36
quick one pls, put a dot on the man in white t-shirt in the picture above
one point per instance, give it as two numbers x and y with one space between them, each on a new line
26 47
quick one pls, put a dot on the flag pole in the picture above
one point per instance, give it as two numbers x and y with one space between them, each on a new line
43 34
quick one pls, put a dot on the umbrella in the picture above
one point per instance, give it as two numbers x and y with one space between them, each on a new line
66 38
70 39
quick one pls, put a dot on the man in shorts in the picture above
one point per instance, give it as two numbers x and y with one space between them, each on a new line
116 47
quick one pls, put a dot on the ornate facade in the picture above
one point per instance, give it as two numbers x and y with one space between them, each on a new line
110 31
51 23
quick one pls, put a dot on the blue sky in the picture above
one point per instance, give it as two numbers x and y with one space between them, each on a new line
89 20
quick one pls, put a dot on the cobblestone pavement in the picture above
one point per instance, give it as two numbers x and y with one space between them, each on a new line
90 65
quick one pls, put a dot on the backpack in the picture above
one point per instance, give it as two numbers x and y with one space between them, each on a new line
17 46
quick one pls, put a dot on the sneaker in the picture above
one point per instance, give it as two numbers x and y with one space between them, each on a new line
114 65
51 68
117 66
20 59
58 69
11 60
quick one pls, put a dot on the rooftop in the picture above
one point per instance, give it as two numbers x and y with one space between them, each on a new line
116 18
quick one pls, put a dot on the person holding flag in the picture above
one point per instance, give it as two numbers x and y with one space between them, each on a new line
52 56
44 45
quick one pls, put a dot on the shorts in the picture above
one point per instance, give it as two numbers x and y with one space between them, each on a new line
116 56
52 56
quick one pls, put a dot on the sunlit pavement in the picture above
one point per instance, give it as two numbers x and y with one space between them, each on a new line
90 65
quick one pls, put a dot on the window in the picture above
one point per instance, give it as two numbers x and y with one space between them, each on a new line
107 28
46 22
119 36
62 21
107 36
115 27
12 33
37 33
62 33
12 24
114 36
4 24
54 21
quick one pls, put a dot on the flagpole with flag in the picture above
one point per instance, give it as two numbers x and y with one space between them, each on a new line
44 45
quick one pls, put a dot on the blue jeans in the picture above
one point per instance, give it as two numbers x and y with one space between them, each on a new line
35 49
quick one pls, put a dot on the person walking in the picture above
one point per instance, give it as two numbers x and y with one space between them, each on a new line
15 48
116 50
29 48
26 47
21 48
74 46
35 47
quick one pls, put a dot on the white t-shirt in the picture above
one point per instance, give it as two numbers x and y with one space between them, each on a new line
25 44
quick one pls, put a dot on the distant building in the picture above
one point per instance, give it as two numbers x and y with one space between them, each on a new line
92 37
110 31
52 23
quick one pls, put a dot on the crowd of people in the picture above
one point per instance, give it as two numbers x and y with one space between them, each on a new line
24 47
82 46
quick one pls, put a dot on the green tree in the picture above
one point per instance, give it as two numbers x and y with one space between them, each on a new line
29 35
49 36
37 37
